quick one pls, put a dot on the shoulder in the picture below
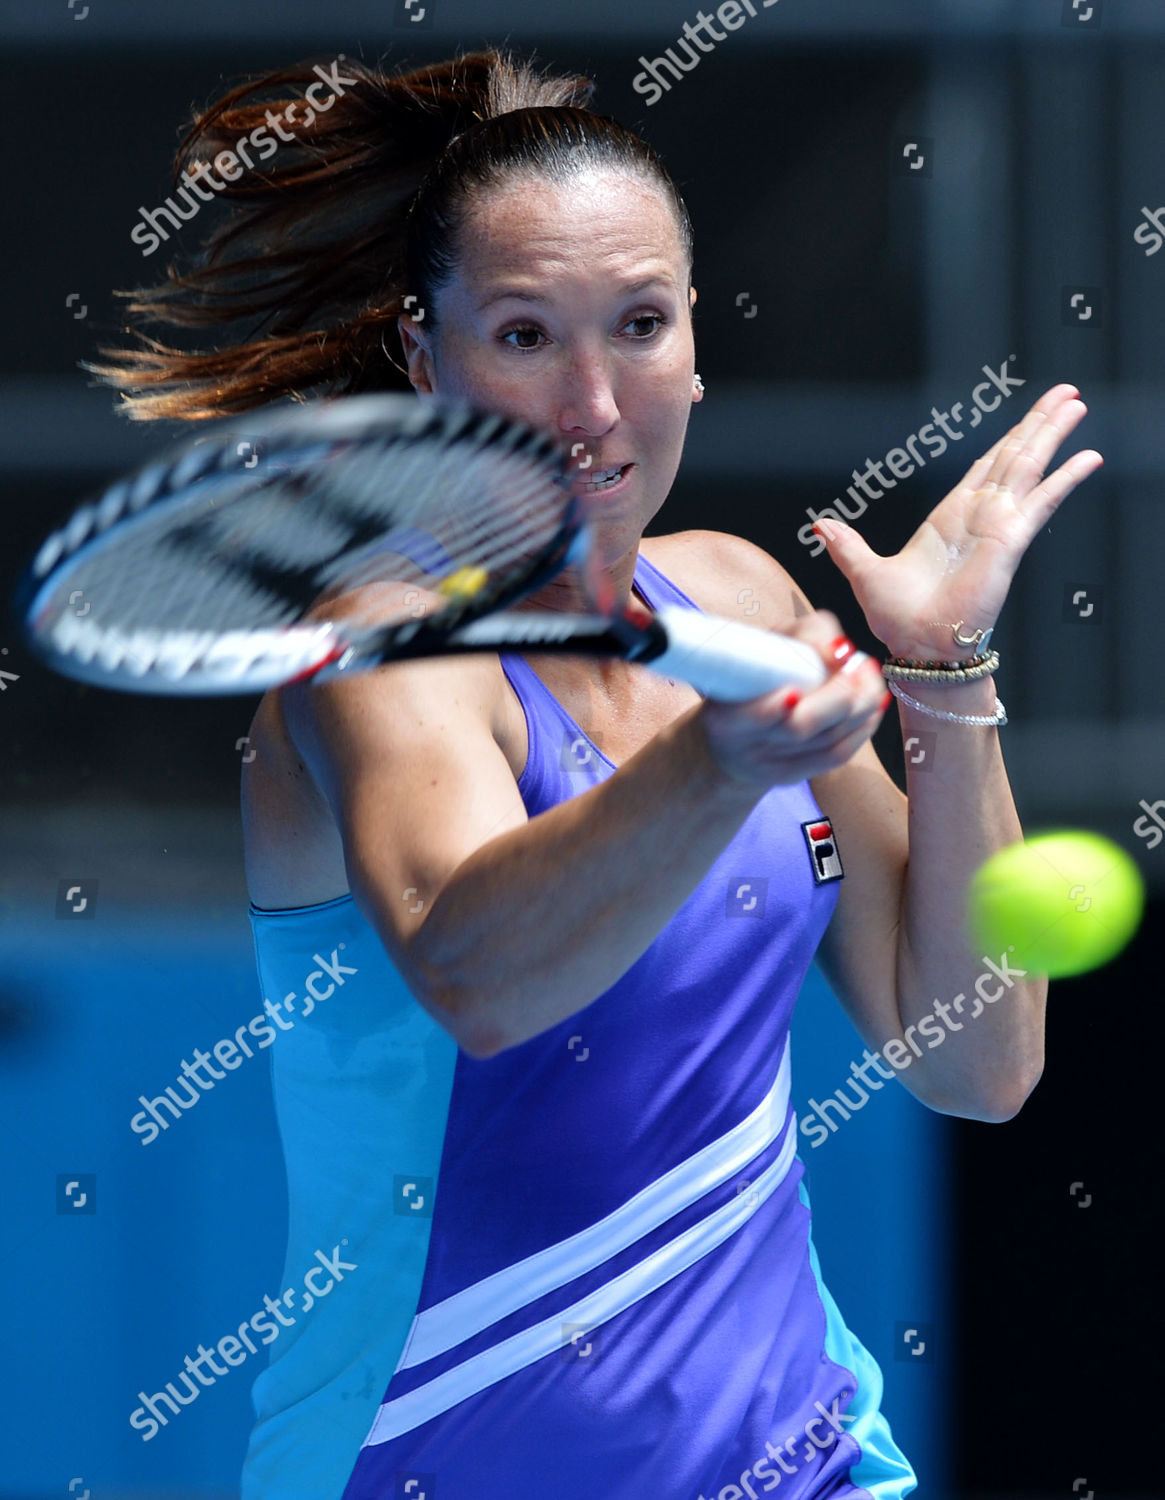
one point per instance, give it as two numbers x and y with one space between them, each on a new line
728 575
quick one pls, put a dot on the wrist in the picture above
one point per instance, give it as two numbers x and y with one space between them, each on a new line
977 697
937 641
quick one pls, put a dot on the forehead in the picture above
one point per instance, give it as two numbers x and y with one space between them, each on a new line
598 222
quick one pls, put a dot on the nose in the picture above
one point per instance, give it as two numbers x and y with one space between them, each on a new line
586 405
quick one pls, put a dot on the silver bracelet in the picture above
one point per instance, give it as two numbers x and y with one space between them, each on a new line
998 718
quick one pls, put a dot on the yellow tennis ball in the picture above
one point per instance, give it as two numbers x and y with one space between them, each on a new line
1063 902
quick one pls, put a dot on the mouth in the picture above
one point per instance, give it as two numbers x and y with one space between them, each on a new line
603 481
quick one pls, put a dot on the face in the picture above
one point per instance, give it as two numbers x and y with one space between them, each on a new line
570 310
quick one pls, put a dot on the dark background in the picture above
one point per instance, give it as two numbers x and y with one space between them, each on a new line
877 295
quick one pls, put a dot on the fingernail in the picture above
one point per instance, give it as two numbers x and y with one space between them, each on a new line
886 701
841 648
790 700
856 661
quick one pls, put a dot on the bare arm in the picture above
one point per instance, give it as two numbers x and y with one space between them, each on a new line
540 920
903 950
524 922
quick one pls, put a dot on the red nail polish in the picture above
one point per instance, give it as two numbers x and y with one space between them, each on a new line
886 701
841 648
790 700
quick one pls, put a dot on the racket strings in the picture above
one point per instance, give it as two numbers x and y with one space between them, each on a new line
263 556
347 510
197 572
486 516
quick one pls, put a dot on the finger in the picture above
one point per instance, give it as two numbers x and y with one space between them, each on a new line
1024 486
822 630
1028 466
791 739
1029 426
827 752
976 475
1043 501
1027 452
1035 419
850 696
851 691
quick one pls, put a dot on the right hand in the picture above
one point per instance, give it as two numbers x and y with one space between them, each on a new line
763 742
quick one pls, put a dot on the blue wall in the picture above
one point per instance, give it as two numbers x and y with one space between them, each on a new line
189 1231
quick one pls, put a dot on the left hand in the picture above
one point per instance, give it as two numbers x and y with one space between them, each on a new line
960 562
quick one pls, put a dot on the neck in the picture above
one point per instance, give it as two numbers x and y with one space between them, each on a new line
565 592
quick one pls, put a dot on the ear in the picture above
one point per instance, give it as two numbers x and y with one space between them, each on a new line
691 298
418 358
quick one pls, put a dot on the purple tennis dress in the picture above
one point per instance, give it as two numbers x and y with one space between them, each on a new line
620 1296
581 1268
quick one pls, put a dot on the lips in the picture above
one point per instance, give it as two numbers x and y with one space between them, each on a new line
602 480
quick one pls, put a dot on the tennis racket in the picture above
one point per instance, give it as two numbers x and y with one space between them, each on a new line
196 574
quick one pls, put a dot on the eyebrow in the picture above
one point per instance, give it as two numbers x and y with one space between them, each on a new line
524 296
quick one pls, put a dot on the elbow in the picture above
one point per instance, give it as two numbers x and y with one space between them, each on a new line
466 1020
478 1039
456 1008
1006 1105
484 1014
1018 1088
997 1105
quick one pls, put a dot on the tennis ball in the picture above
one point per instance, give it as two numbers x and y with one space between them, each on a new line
1064 902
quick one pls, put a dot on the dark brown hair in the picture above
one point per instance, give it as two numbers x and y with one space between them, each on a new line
361 211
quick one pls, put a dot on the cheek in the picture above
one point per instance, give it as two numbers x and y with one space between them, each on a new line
670 404
464 357
476 371
449 361
661 433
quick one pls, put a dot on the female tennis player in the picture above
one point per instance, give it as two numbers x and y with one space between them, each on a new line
538 924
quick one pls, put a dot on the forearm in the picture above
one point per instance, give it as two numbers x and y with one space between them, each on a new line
539 921
961 811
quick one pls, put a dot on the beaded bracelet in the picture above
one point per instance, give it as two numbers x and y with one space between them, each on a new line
969 670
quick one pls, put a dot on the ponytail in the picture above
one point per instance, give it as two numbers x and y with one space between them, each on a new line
355 220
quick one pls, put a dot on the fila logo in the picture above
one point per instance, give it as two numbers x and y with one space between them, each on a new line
823 855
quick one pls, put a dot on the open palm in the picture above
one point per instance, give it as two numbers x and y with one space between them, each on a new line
959 564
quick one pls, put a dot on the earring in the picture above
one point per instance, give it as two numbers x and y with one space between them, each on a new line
699 385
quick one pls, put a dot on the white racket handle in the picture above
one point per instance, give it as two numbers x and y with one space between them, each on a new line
726 660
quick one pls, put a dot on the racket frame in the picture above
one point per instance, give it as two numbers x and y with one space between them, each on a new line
255 659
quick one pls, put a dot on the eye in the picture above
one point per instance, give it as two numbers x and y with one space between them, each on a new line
656 319
523 329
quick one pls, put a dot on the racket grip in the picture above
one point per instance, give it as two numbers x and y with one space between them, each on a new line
729 661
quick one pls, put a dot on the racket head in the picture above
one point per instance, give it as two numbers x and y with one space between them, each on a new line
194 574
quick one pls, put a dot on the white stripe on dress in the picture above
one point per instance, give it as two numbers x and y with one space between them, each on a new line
406 1412
468 1312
